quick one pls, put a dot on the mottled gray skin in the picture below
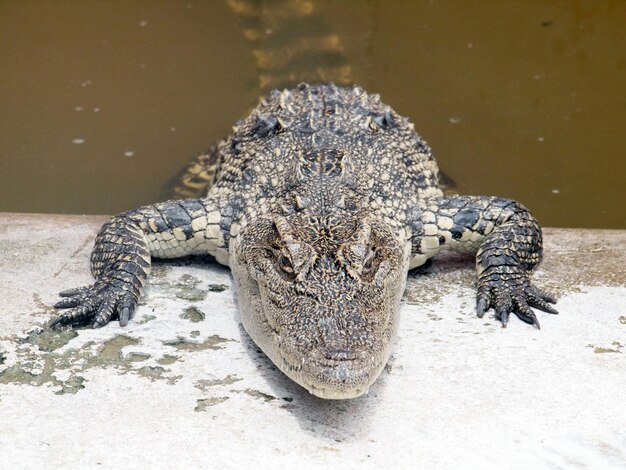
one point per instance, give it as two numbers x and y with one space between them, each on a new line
321 201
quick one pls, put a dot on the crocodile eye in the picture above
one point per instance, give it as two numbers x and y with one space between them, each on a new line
285 265
368 263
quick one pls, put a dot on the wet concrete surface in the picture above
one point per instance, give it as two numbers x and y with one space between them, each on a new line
183 386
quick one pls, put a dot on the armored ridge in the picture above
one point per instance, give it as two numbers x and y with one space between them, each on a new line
323 199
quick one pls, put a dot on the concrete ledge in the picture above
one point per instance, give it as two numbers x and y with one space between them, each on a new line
183 386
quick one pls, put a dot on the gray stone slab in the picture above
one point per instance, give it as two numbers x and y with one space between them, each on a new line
183 386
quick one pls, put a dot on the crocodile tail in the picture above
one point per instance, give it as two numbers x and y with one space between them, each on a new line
292 43
446 183
197 177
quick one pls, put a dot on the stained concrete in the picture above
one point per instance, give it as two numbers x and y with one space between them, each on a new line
183 386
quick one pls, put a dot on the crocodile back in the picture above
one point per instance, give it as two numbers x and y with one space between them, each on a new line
310 133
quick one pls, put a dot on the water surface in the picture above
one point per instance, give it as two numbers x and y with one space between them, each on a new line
101 103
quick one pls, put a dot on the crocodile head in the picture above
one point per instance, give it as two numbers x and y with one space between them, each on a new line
320 294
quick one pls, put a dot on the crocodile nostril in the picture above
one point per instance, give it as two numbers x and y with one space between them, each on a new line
340 354
342 372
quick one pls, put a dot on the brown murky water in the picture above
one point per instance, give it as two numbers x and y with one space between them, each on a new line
101 103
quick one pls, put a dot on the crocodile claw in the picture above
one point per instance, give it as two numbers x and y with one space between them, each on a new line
57 321
77 291
124 316
503 315
96 304
68 302
510 293
482 305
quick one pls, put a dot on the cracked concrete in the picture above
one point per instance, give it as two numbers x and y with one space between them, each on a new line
183 386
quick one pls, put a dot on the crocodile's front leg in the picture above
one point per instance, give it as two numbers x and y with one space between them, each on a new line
121 258
507 241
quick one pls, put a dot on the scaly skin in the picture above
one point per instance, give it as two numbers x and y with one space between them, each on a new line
323 199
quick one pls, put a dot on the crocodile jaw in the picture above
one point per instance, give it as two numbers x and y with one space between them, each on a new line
338 381
327 379
324 378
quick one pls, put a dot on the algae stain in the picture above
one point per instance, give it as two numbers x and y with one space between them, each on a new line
111 355
20 374
599 350
259 395
137 357
185 288
151 372
256 394
205 384
204 403
193 314
72 385
167 359
146 319
111 351
49 339
217 287
15 374
38 366
190 295
182 344
617 348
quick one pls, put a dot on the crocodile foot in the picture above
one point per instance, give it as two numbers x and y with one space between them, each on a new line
96 304
512 292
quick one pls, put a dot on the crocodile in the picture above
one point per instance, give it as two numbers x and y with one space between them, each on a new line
321 201
291 42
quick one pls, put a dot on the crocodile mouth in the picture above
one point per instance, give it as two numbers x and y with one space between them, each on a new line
326 373
331 393
330 378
